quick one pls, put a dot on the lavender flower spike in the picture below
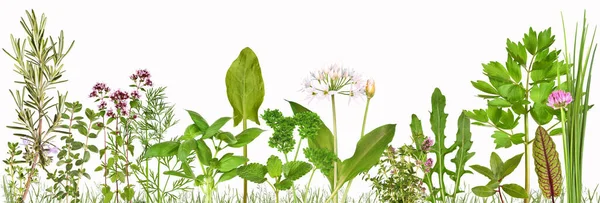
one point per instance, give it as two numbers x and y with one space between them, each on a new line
559 99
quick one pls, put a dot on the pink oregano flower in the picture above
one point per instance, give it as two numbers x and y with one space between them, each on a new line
428 164
426 146
559 99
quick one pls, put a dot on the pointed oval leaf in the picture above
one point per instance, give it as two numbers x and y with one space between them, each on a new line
213 129
514 190
483 191
198 120
367 152
230 162
547 164
246 136
245 87
163 149
227 176
185 149
203 152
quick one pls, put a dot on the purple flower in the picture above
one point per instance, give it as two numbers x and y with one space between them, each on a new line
133 77
426 146
428 164
119 95
94 94
53 150
143 74
102 105
559 99
111 113
135 94
25 142
124 112
101 87
148 83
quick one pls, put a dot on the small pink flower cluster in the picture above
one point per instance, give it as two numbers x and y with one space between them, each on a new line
121 98
141 78
426 147
559 99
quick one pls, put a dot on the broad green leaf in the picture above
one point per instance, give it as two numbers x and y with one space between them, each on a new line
556 131
230 162
246 136
284 185
496 71
507 120
478 115
510 165
484 87
463 144
76 145
93 148
191 132
547 164
203 152
502 139
367 152
185 149
107 194
494 114
227 176
539 92
274 166
226 137
294 170
253 172
213 129
484 171
323 140
163 149
512 93
245 87
517 138
496 164
541 113
483 191
499 102
514 190
198 120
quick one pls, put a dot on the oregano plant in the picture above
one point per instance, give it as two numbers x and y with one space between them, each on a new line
517 90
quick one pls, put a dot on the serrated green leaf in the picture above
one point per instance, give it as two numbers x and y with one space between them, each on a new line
541 113
514 190
463 143
539 92
517 52
512 92
274 166
253 172
517 138
496 71
284 185
547 164
478 115
245 87
514 70
502 139
294 170
530 41
499 102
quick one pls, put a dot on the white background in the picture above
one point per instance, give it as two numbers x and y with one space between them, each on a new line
408 48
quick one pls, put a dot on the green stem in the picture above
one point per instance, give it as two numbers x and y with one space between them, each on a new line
362 133
526 137
335 150
245 126
308 185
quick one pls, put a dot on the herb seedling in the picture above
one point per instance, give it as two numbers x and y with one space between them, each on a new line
496 173
215 168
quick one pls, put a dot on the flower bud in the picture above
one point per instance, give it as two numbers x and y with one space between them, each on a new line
370 88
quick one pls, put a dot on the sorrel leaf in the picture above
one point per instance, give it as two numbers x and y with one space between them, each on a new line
245 87
367 153
547 164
